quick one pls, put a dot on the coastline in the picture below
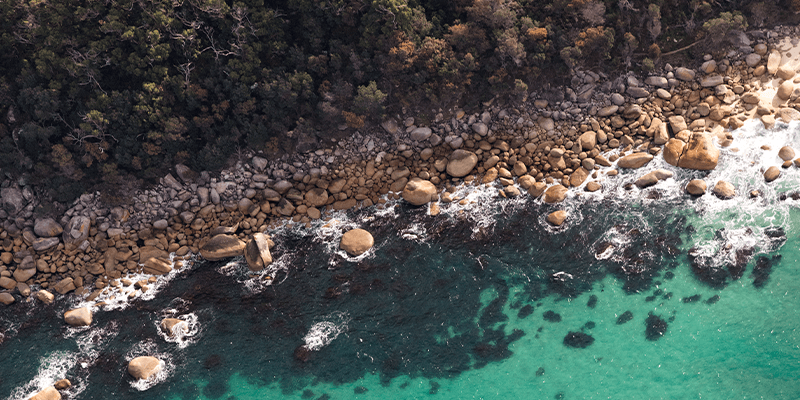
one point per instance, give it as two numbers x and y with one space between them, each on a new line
501 147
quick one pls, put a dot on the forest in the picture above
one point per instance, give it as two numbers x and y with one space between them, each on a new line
104 93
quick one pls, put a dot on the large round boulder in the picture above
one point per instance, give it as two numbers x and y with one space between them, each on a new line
419 192
144 367
174 326
317 197
49 393
356 242
47 227
461 163
772 173
556 218
700 153
724 190
221 247
78 317
696 187
786 153
555 194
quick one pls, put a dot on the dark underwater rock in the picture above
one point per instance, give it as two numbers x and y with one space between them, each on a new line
525 311
578 340
691 299
713 299
551 316
592 303
656 327
360 390
624 317
762 270
540 371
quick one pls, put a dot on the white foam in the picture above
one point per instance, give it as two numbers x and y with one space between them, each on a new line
51 368
149 348
323 332
182 335
481 206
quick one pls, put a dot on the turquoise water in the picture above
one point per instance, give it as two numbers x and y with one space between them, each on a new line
475 303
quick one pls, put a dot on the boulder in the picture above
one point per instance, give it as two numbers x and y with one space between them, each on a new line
78 317
607 110
22 275
556 218
700 153
45 297
785 90
461 163
45 243
660 134
419 192
673 151
77 230
785 72
578 177
62 384
12 200
6 298
144 367
421 134
173 326
684 74
724 190
593 186
696 187
47 227
677 123
221 247
317 197
772 173
256 252
156 266
786 153
635 160
752 59
537 189
161 224
651 178
773 62
356 241
711 81
588 140
49 393
7 283
480 128
555 194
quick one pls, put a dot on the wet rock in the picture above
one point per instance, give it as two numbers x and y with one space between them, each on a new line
45 297
174 326
555 194
78 317
6 298
700 153
418 192
47 227
655 327
62 384
461 163
221 247
593 186
651 178
77 230
624 317
356 242
772 173
578 177
786 153
578 340
696 187
556 218
635 160
144 367
724 190
257 253
49 393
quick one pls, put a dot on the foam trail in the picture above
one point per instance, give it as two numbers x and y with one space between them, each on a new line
322 333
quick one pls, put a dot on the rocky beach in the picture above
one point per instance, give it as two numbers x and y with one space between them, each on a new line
558 145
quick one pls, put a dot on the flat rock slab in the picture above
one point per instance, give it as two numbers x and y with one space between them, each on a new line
221 247
635 160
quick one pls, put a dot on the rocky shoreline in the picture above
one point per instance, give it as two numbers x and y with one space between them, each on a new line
544 146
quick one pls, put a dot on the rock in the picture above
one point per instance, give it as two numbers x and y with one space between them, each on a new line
785 72
7 283
684 74
222 246
709 66
637 92
724 190
6 298
520 169
786 153
62 384
65 285
421 134
700 153
677 123
77 230
49 393
608 110
752 59
171 182
547 124
785 90
12 199
773 62
418 192
663 94
588 140
461 163
78 317
555 194
480 128
160 224
578 177
768 120
390 126
556 218
23 274
658 81
772 173
537 189
511 191
711 81
696 187
673 151
45 297
635 160
256 252
47 227
174 326
285 207
144 367
593 186
185 173
44 244
651 178
259 162
660 134
317 197
356 242
617 99
751 98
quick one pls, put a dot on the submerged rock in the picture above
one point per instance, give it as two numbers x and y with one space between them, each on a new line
144 367
578 340
656 327
356 242
624 317
551 316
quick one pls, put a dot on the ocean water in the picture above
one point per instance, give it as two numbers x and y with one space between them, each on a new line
641 294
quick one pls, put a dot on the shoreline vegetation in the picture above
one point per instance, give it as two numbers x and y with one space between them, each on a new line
531 146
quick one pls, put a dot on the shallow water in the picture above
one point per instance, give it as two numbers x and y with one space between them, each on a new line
474 303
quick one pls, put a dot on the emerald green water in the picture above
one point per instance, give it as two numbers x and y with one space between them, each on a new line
463 305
